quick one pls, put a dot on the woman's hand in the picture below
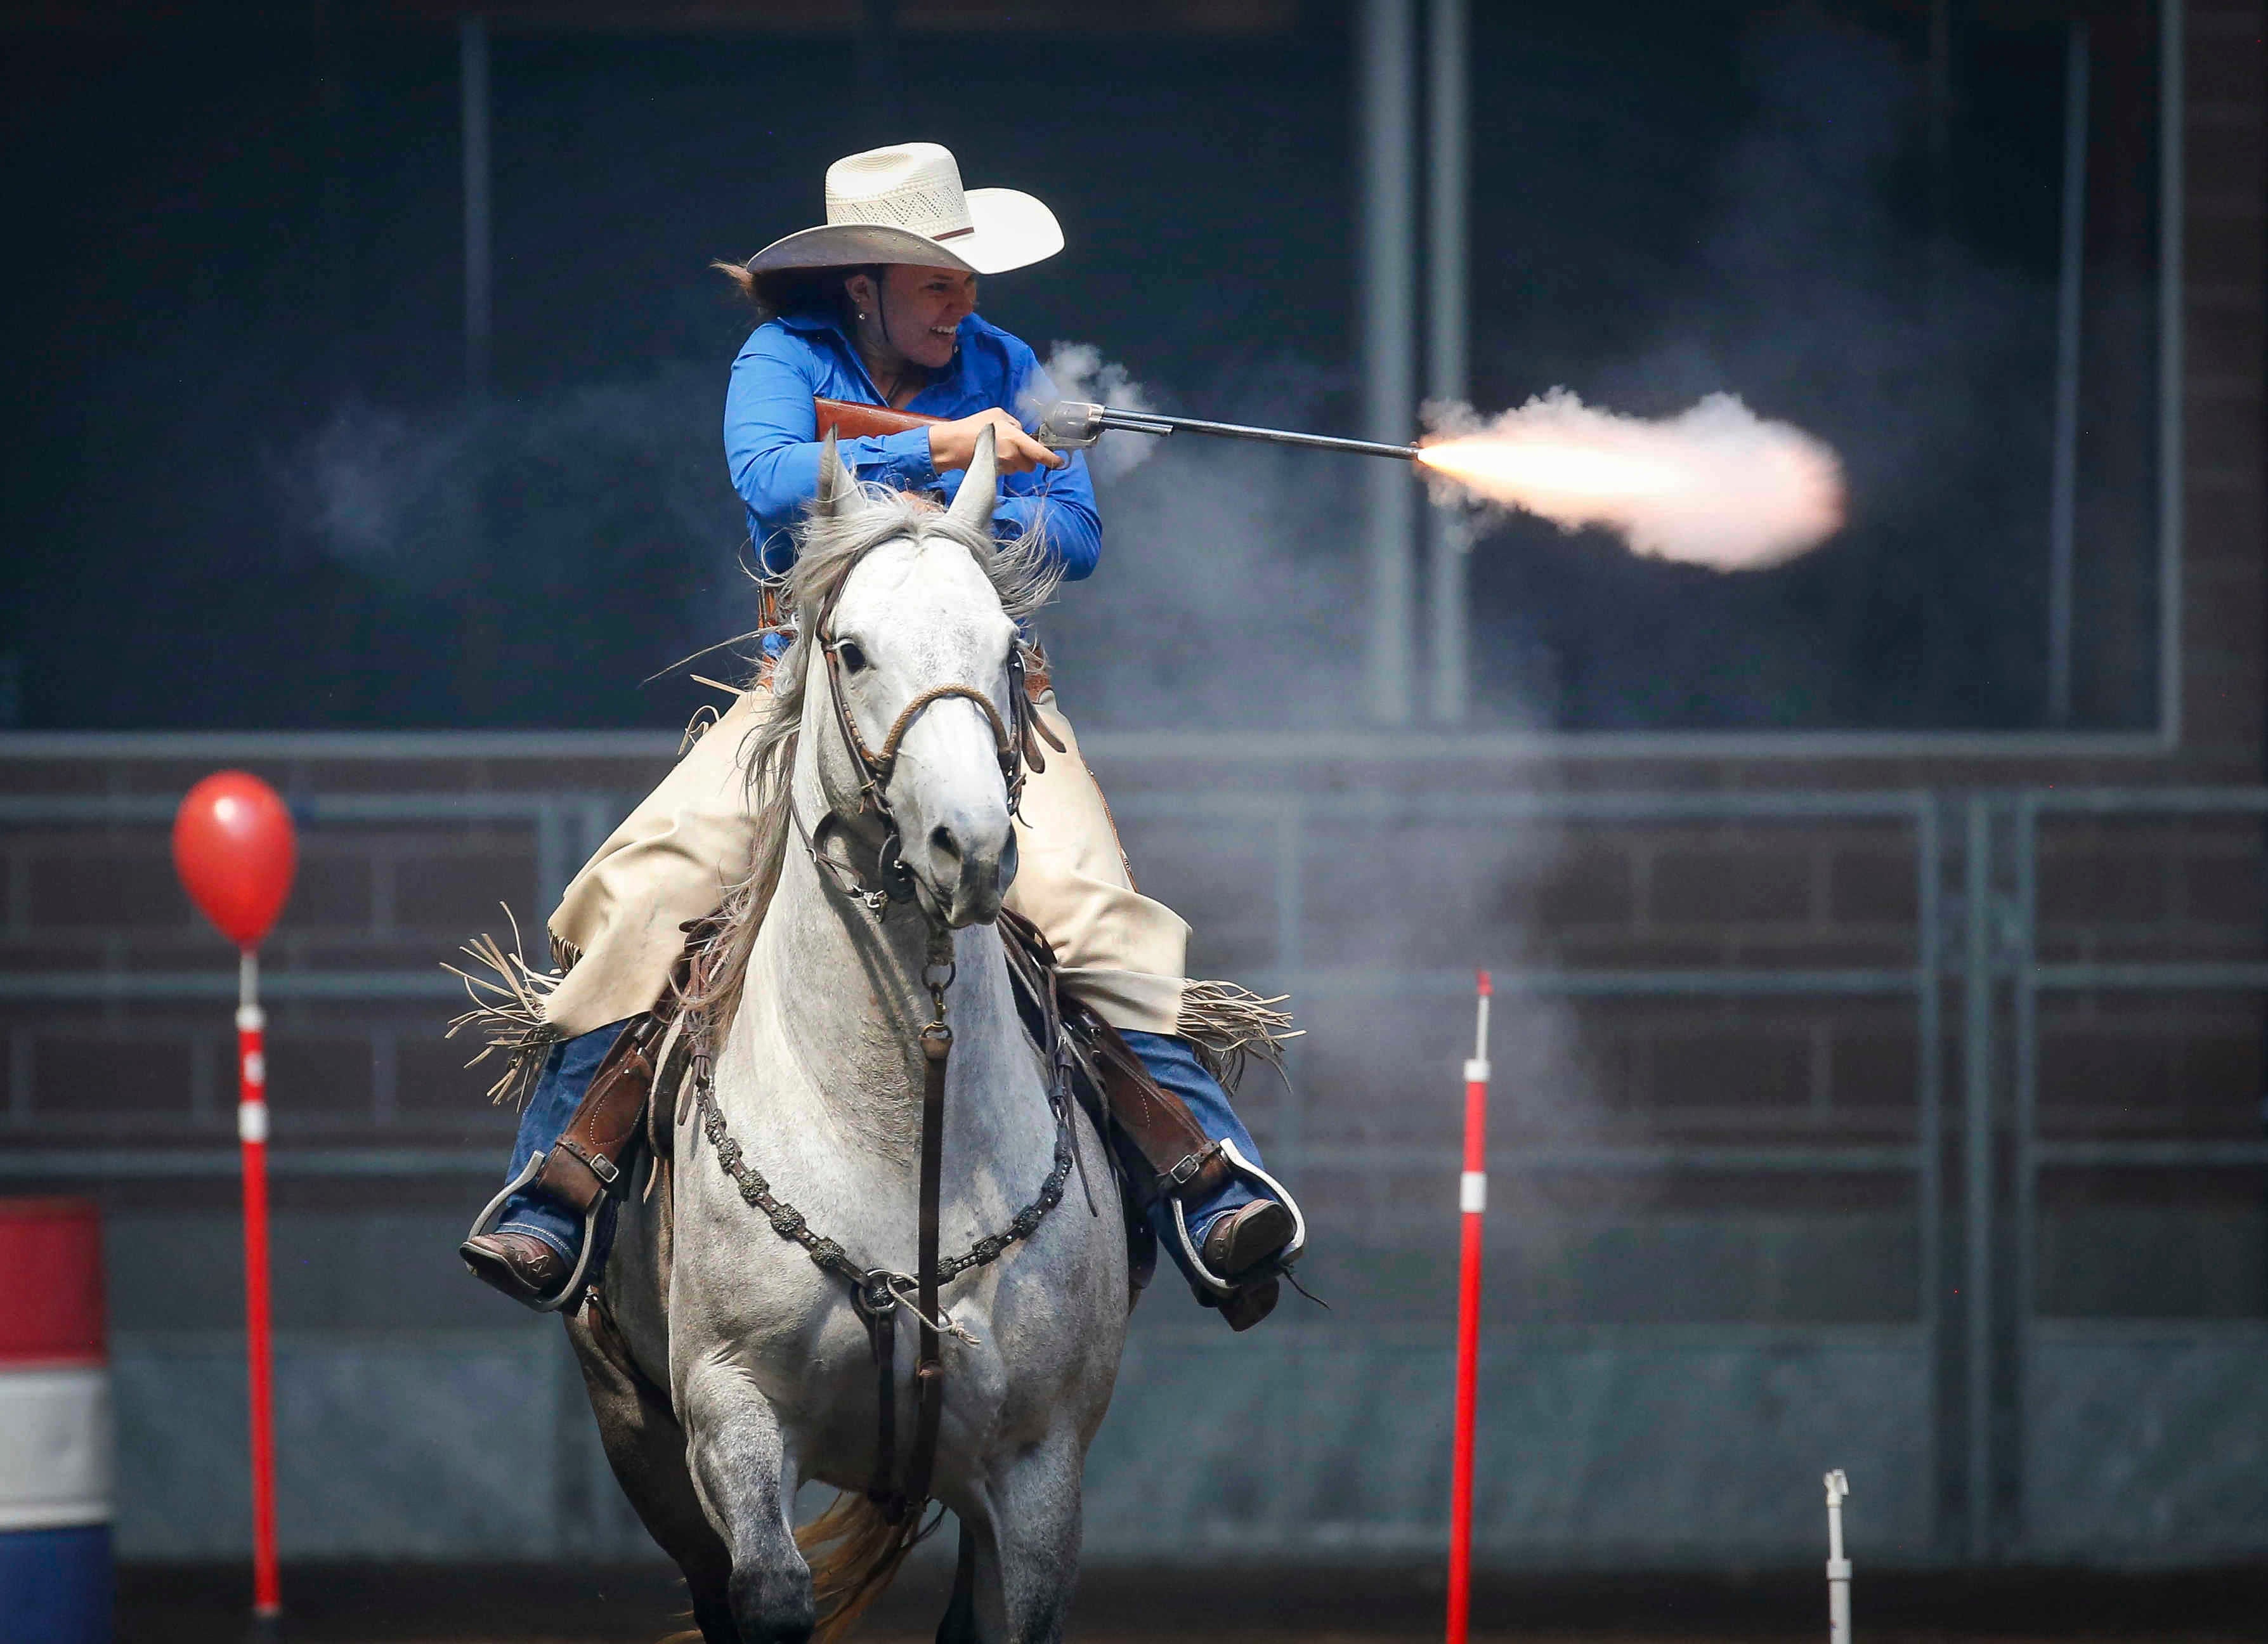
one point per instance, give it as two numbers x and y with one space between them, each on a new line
953 445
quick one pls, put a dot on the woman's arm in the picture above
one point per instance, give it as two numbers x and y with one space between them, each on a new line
771 448
1061 503
771 444
1058 502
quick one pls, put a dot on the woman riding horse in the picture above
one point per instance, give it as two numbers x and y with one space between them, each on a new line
878 307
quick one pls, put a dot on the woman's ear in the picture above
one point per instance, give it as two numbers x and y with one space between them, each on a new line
859 288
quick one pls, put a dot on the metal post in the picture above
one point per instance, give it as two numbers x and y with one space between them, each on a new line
874 62
1838 1567
552 869
1929 1186
1384 52
2023 1125
1447 345
1938 105
330 122
2172 197
472 93
1291 1139
2064 480
1977 1103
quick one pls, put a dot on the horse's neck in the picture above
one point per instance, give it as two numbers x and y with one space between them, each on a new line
840 996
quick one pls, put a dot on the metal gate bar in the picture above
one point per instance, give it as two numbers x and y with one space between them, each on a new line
2018 919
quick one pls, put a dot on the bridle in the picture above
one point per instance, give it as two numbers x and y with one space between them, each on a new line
1015 742
878 1294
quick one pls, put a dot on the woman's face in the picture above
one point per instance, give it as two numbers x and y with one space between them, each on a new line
919 311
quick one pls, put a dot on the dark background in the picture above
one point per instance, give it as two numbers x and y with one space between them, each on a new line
244 486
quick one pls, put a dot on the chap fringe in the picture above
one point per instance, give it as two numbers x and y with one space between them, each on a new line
508 996
1232 1025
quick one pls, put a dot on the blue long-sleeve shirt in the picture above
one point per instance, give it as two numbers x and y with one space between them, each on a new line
772 435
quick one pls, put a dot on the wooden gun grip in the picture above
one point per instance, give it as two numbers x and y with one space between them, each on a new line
847 420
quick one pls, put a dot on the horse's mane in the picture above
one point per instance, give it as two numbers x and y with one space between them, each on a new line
830 546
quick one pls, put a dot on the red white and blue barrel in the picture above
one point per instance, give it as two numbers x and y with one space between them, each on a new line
54 1425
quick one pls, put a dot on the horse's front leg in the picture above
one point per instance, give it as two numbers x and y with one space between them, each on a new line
740 1469
1025 1536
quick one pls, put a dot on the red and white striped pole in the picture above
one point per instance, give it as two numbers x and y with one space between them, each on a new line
235 849
259 1342
1472 1201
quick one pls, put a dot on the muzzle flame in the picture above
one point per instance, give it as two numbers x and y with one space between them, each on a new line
1715 485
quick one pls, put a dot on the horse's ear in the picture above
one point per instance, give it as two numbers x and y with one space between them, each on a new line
834 480
980 487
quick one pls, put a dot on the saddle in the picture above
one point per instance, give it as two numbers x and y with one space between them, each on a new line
1157 1149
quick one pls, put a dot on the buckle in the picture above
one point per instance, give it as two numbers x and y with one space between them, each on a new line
1179 1221
605 1169
1185 1172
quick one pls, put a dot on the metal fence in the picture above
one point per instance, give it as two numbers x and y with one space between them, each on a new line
2002 856
1977 945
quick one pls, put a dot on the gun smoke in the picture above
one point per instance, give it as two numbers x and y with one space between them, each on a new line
1077 371
1716 485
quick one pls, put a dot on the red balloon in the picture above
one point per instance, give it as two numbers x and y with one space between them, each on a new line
235 850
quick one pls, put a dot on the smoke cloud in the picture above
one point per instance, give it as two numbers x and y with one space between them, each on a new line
1077 371
1716 485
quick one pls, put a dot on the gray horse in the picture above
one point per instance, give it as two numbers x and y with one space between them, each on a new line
726 1368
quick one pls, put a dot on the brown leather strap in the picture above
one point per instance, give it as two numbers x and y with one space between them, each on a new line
929 1366
1162 1148
1171 1152
614 1347
886 760
1029 680
882 1331
591 1157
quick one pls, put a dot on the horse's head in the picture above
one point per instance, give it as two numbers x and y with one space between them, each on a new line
913 636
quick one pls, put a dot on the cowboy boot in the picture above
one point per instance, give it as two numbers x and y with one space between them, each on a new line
520 1265
576 1132
1246 1238
1242 1247
1247 1305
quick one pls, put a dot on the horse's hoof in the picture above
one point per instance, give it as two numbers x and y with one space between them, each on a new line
1245 1240
524 1267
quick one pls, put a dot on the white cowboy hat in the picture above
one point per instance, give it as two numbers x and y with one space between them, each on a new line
905 204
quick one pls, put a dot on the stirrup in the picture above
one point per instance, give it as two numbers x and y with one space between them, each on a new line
1251 1172
490 1212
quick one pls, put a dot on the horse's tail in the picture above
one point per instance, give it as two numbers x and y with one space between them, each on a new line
854 1551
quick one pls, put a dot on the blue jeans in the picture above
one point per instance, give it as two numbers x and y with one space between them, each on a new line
1173 1064
568 1066
571 1064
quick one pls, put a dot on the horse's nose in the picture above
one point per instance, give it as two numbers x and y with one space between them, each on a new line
972 862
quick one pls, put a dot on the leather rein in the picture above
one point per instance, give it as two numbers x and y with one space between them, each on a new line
877 1292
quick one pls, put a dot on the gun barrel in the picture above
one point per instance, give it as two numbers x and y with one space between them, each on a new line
1074 422
1270 436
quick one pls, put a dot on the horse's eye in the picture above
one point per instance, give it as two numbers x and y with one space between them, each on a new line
851 655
